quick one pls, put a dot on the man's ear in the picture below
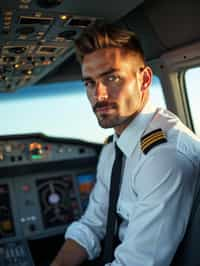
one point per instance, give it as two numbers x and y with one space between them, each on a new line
147 78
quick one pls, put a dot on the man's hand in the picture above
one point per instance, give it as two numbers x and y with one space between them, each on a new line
71 254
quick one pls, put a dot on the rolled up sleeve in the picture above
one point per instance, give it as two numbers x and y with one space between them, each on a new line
90 229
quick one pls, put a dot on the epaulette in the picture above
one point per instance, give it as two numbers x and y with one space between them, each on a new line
109 139
152 139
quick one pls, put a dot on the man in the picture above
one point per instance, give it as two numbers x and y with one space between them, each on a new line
160 158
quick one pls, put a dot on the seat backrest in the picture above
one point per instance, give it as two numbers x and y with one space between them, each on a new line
188 252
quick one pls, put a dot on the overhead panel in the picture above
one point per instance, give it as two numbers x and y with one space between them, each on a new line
34 42
37 35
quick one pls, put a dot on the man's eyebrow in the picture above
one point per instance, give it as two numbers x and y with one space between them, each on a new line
110 71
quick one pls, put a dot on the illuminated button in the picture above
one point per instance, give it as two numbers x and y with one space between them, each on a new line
36 156
17 66
26 188
27 71
23 6
47 62
8 148
40 33
64 17
61 149
6 225
33 218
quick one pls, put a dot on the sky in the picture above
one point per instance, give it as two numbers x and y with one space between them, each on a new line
59 109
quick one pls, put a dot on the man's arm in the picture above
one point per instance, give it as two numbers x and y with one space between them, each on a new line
71 254
90 229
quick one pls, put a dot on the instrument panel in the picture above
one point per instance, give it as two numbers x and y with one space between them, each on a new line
44 185
32 206
38 149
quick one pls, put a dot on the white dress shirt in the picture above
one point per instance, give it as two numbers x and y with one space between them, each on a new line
156 193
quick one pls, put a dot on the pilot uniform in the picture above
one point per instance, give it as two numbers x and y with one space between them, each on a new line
160 169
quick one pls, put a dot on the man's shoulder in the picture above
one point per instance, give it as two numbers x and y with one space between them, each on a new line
167 128
159 131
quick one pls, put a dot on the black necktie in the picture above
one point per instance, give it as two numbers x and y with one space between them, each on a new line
112 220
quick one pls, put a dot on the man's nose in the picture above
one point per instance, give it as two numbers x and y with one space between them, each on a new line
101 92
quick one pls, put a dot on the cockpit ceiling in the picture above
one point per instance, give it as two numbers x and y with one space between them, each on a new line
110 10
37 35
162 26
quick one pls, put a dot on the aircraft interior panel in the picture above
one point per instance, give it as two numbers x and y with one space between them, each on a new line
52 192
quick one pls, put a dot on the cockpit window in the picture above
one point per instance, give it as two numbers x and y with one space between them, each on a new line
156 93
59 109
192 81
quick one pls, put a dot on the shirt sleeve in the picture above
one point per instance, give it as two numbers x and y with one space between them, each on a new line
90 229
165 188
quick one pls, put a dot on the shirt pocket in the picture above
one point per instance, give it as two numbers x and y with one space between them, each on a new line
125 209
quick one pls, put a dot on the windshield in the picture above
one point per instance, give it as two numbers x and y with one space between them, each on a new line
59 110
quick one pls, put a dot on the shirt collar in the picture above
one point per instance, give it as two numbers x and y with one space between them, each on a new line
132 134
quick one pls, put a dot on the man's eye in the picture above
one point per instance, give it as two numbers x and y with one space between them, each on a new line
113 78
89 84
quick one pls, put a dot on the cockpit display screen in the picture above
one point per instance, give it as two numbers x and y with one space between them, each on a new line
85 183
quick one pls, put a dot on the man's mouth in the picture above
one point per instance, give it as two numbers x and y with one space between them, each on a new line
104 107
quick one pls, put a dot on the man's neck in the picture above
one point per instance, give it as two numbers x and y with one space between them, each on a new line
120 128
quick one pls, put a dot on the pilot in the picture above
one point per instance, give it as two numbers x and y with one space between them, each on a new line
157 169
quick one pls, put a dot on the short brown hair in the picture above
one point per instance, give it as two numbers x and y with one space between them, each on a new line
104 36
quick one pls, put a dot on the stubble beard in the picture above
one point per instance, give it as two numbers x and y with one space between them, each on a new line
108 121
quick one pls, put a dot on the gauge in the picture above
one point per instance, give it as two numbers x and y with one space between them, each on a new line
58 201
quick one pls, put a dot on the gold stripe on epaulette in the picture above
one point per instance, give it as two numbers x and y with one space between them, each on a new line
158 134
152 139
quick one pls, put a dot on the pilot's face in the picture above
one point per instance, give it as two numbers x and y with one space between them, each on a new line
115 86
